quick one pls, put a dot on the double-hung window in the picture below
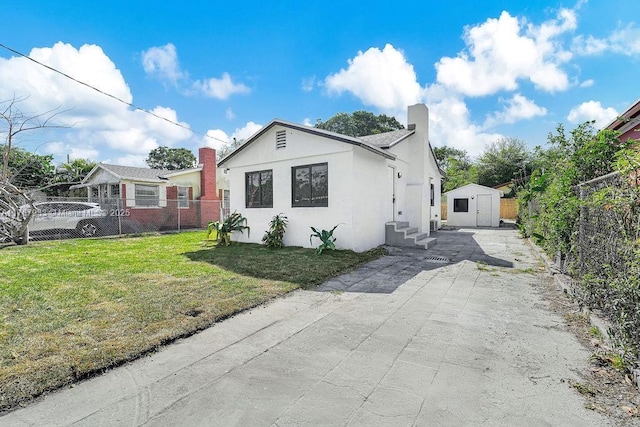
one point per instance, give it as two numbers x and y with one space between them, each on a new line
259 189
310 185
183 197
147 195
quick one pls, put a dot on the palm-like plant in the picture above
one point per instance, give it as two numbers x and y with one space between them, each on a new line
220 232
273 238
326 237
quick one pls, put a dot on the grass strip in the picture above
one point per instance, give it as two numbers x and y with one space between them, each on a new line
71 309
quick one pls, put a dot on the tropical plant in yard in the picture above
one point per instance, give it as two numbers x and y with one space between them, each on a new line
220 231
326 237
273 238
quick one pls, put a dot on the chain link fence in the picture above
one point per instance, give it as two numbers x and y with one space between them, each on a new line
609 227
61 218
608 246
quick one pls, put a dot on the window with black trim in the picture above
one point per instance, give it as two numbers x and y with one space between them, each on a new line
310 185
433 196
461 205
259 189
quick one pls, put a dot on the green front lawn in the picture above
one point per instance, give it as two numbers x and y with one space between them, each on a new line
70 309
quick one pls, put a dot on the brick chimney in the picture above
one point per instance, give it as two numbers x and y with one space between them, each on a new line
209 202
207 157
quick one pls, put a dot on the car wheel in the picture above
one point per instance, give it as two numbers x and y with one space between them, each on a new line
87 229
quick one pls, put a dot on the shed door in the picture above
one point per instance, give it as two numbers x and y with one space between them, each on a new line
483 213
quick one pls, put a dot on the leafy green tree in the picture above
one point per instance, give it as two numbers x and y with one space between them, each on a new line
68 174
28 170
171 158
228 148
20 170
359 123
504 160
458 168
571 158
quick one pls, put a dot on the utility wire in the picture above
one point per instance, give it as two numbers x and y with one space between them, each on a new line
135 107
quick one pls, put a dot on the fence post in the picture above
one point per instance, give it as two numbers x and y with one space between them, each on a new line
581 222
178 208
120 212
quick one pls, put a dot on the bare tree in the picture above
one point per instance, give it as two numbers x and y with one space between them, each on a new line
16 204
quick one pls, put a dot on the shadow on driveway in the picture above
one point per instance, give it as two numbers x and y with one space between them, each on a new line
386 274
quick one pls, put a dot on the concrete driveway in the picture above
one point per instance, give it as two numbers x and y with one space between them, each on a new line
456 335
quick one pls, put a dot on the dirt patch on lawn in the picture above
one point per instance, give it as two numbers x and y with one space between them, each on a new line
606 386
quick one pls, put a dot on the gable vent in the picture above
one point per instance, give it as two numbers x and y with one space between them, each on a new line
281 139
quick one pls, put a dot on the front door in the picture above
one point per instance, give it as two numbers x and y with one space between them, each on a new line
391 193
483 210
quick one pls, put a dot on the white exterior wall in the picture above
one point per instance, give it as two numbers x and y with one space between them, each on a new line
302 149
471 192
436 180
421 171
371 199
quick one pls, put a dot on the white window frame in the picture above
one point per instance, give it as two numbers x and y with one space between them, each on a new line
183 199
147 201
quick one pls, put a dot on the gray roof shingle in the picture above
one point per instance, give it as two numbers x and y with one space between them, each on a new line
135 173
385 140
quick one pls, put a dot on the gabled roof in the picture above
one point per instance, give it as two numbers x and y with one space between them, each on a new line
133 173
387 139
477 186
313 131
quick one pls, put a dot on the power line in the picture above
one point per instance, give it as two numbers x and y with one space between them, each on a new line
135 107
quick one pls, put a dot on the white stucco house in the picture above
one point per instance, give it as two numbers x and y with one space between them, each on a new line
320 178
473 205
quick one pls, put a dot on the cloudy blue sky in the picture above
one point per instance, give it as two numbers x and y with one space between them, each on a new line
224 69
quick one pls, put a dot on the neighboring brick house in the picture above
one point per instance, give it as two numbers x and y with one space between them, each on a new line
627 123
159 198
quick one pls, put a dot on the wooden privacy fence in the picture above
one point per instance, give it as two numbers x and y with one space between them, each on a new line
508 209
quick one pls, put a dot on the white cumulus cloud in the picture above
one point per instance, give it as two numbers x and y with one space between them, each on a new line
380 78
592 110
515 109
623 41
308 83
221 88
162 62
217 138
502 51
97 123
450 124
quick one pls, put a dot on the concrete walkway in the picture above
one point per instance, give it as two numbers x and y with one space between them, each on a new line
456 335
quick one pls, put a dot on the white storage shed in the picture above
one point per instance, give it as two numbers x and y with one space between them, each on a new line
473 205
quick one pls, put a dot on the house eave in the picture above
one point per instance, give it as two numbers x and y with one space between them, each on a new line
312 131
622 121
182 172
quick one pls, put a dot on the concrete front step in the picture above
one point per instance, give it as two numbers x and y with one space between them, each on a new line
400 234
